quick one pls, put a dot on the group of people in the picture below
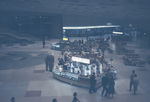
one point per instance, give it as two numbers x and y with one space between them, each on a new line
108 84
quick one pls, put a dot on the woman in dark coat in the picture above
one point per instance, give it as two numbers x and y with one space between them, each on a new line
111 88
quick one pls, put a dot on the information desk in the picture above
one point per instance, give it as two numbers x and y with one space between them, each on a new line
75 79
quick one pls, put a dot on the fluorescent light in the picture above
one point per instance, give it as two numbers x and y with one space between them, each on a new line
117 32
89 27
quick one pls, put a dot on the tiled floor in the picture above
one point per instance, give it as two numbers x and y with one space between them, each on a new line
39 71
32 83
33 94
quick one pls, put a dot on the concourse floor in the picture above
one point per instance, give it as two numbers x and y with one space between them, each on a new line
23 76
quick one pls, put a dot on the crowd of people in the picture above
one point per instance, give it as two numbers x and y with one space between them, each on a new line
108 84
108 81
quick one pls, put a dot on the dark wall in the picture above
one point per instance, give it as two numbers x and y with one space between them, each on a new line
37 24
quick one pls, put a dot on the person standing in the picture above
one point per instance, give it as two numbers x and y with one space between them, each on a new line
49 62
109 73
135 82
111 88
75 99
43 42
131 79
105 81
92 83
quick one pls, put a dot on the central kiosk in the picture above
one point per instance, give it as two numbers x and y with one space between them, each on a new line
78 71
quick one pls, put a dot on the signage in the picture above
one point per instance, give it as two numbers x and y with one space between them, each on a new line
82 60
65 39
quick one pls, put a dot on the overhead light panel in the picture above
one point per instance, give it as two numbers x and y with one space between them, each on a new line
90 27
117 32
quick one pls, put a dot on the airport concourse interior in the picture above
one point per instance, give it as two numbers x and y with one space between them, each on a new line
74 51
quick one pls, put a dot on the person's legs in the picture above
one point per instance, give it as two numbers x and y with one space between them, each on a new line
51 67
90 89
106 93
104 89
135 89
131 84
46 66
94 90
134 92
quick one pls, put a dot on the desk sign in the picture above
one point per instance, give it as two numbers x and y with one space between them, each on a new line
82 60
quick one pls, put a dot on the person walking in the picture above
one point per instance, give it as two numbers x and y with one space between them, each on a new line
131 79
135 82
92 83
75 99
105 81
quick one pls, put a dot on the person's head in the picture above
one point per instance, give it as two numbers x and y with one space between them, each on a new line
74 94
133 71
54 100
13 99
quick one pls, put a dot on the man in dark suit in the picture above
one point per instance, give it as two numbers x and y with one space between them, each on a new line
92 83
49 62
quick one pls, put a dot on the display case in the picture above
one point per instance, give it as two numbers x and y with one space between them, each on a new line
75 79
